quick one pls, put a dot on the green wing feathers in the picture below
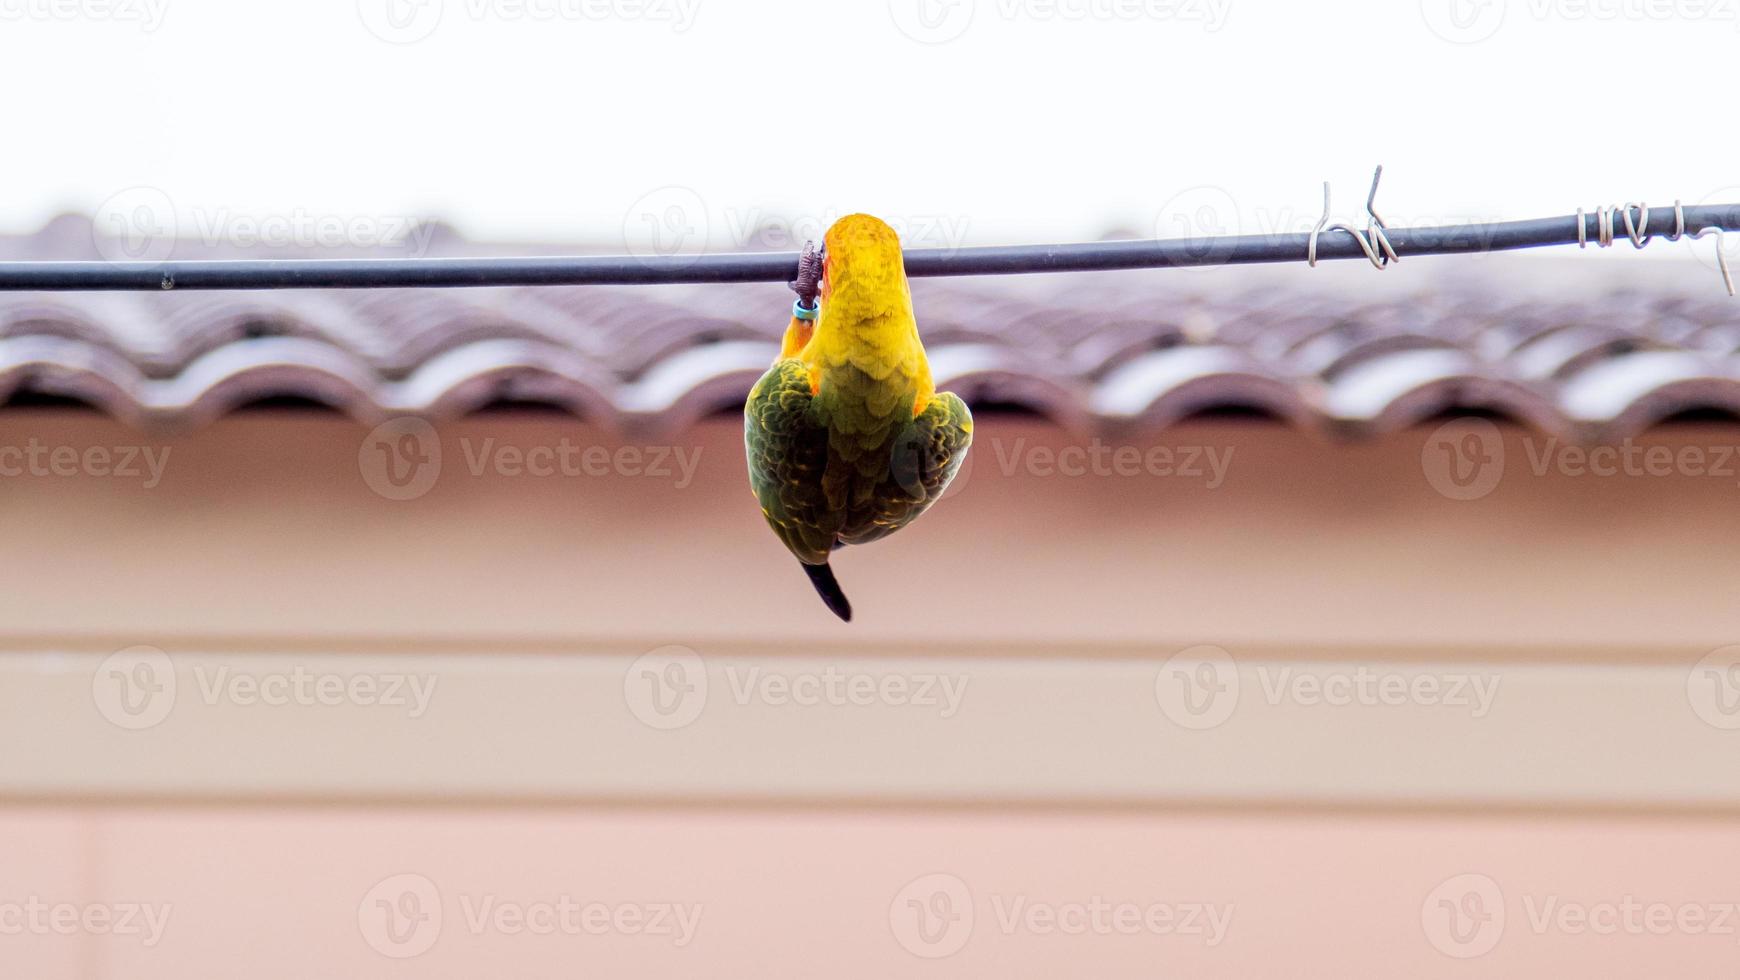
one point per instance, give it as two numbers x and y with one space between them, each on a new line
788 453
923 458
822 486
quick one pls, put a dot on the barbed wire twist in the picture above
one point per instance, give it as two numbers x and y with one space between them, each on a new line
1638 232
1375 242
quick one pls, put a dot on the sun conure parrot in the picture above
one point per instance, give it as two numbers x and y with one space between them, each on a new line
848 439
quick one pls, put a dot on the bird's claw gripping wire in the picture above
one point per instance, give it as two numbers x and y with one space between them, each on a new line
1374 241
808 282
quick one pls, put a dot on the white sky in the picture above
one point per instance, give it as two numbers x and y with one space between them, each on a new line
1041 120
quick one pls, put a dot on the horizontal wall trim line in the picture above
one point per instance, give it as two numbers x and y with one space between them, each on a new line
1210 727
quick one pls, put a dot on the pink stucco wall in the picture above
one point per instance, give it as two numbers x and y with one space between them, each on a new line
272 894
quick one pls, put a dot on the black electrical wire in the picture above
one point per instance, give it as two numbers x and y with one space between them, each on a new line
1333 243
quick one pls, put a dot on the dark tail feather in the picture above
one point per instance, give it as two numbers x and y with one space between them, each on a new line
828 587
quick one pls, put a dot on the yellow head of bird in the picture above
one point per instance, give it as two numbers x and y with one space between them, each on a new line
863 273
